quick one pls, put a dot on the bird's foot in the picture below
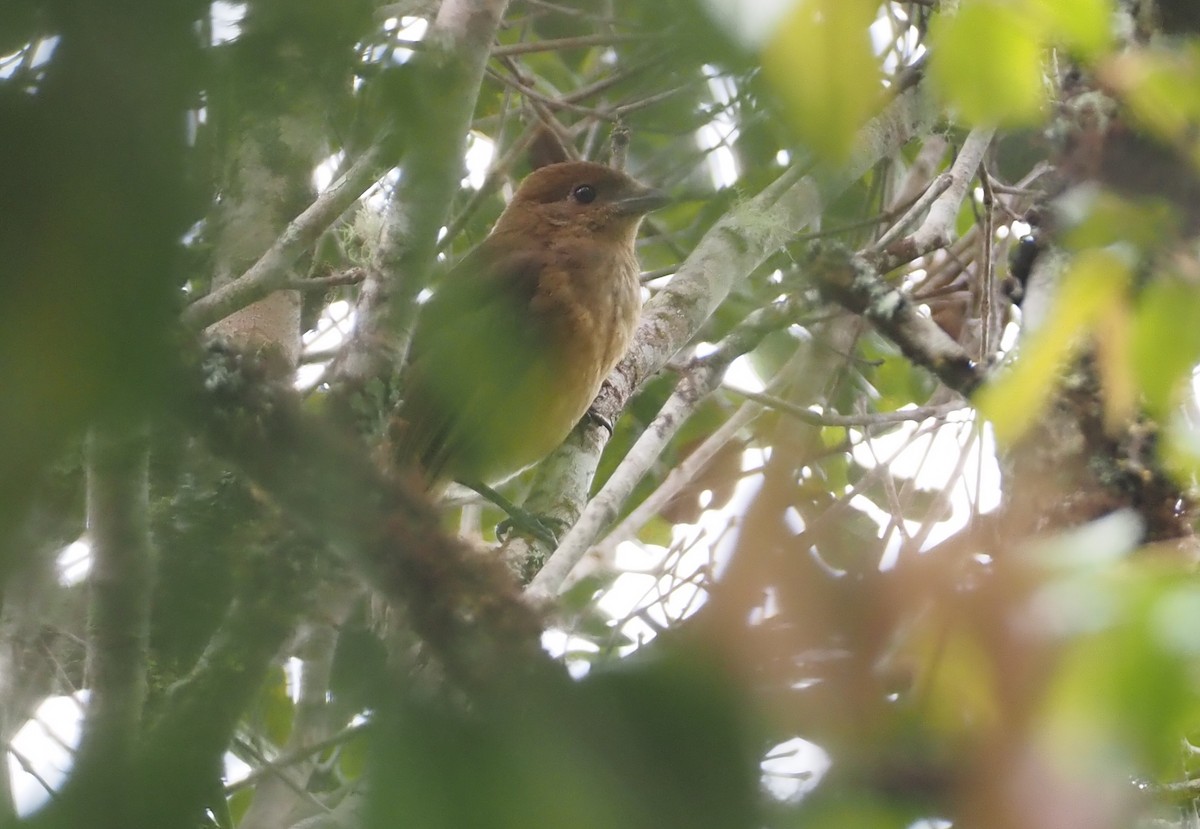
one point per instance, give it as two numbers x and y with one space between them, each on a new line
527 523
520 520
600 420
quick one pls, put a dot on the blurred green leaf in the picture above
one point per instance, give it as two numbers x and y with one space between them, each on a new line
1111 219
358 676
821 64
579 596
899 384
1096 716
650 742
656 531
276 709
968 215
861 811
1160 88
1083 26
18 24
239 802
960 691
987 60
1165 340
1092 284
352 757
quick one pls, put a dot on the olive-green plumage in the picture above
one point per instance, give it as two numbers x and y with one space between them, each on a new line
512 347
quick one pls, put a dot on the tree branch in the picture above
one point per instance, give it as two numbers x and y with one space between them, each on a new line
202 710
565 43
463 605
432 167
866 420
118 625
702 378
937 230
679 477
119 583
741 241
270 272
849 280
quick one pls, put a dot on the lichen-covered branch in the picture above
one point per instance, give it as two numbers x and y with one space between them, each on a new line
451 74
701 379
273 268
463 604
742 240
849 280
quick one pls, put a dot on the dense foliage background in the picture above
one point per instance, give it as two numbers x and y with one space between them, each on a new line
895 527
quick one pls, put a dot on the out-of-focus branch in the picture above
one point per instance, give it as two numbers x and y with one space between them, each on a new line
202 710
463 604
119 610
920 172
297 756
283 795
565 43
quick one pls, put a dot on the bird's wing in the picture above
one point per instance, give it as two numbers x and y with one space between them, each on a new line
469 360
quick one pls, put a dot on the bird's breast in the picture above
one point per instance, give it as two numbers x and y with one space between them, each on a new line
588 310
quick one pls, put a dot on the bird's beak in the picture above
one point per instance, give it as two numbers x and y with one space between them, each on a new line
641 202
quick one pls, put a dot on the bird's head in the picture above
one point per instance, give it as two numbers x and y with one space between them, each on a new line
581 195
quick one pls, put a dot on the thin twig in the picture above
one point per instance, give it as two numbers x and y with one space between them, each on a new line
988 283
937 230
525 87
938 186
694 386
679 477
565 43
650 100
27 766
866 420
351 276
278 772
270 271
297 756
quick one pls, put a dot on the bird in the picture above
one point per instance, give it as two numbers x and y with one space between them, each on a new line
511 348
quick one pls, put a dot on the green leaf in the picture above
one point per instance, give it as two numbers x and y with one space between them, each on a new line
987 61
239 802
579 597
656 531
1082 26
1165 341
1092 286
899 383
1110 219
352 758
277 709
1160 90
821 64
1097 721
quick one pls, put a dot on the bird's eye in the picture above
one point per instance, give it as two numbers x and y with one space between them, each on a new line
584 194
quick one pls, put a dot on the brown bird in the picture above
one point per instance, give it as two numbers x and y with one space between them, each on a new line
512 347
